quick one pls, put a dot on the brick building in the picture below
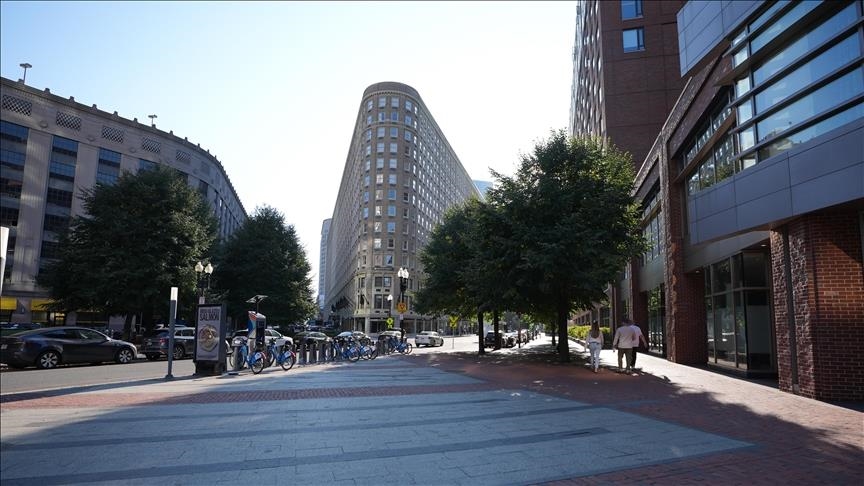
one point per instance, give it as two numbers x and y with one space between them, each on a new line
754 198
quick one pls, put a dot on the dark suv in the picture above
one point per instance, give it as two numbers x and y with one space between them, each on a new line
155 343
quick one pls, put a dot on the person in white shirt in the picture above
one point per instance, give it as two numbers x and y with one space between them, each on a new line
622 342
595 344
637 336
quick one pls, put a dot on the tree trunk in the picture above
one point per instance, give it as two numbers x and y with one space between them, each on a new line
563 341
480 331
496 325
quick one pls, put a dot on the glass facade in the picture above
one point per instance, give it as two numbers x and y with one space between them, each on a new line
657 321
788 92
738 318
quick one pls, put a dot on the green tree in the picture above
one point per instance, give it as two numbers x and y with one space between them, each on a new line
137 238
447 260
264 257
572 225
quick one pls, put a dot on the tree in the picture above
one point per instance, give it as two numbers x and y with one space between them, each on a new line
138 238
447 260
264 257
572 225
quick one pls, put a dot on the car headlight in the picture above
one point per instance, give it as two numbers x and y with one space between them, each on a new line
238 341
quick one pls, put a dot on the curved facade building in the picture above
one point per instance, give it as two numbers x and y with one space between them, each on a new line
400 176
53 149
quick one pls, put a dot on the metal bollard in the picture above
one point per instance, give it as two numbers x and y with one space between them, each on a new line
301 352
313 352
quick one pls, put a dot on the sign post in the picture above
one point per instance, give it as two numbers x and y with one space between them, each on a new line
173 315
453 323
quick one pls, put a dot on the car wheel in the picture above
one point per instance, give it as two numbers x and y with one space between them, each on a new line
178 352
125 356
48 360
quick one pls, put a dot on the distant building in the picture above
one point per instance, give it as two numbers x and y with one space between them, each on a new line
483 187
322 264
400 176
53 149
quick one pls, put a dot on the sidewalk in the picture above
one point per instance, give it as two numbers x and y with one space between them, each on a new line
513 416
795 440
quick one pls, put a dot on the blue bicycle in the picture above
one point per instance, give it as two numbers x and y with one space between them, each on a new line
284 357
403 347
346 350
243 357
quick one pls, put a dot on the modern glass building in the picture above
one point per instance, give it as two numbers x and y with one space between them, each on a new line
753 197
52 149
400 176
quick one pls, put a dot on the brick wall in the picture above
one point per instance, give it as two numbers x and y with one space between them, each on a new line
825 260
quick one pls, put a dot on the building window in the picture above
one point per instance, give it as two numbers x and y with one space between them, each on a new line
394 102
108 169
409 120
391 194
365 213
391 179
64 154
634 39
393 164
377 227
394 148
381 131
379 194
379 163
631 9
382 116
368 120
394 132
391 210
379 179
382 102
391 226
408 105
376 243
394 116
369 105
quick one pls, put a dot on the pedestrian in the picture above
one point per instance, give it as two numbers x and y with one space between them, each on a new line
637 337
622 342
595 344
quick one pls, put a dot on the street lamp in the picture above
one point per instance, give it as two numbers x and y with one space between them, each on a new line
26 66
152 120
389 310
403 283
201 270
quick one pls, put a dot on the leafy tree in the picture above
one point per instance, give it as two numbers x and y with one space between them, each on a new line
138 238
572 225
264 257
450 251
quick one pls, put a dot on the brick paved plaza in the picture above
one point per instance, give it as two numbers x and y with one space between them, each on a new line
510 417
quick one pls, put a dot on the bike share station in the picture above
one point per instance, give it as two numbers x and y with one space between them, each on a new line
255 322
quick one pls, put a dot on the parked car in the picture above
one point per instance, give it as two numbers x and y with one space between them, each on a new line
8 328
428 338
155 344
269 334
385 335
310 337
52 346
359 336
510 340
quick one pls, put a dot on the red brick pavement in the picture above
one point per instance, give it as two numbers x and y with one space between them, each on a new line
797 440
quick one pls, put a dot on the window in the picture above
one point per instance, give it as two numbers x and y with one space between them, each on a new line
634 39
379 194
382 116
382 102
391 194
368 149
381 131
391 179
394 132
378 211
394 148
391 210
369 105
365 196
108 169
377 227
394 102
408 136
394 116
409 120
368 165
376 243
379 178
393 164
408 105
388 260
391 227
144 164
631 9
379 148
379 163
368 120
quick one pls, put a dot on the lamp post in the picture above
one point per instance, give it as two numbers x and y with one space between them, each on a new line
403 283
201 270
389 311
26 66
152 120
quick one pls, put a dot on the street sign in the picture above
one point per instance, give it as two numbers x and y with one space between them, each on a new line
402 307
389 323
453 321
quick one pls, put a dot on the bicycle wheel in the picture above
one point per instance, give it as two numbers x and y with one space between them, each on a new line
353 355
408 348
258 363
288 360
271 357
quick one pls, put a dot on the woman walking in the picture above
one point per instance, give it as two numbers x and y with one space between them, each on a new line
595 344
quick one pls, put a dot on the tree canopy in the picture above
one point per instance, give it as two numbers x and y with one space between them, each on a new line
137 238
264 257
547 240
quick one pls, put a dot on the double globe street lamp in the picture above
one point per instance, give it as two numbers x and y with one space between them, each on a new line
201 271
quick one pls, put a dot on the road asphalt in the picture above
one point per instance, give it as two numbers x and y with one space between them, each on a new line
514 416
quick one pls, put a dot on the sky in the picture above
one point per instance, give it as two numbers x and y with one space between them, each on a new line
272 89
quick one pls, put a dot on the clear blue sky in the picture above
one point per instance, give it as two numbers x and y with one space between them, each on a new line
272 88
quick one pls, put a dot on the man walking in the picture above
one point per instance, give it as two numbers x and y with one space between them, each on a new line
622 342
636 337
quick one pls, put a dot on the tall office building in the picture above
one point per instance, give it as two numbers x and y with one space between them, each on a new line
53 149
625 71
322 264
625 83
753 197
400 176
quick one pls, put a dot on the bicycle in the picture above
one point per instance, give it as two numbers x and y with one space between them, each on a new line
367 350
403 347
285 358
243 357
346 350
